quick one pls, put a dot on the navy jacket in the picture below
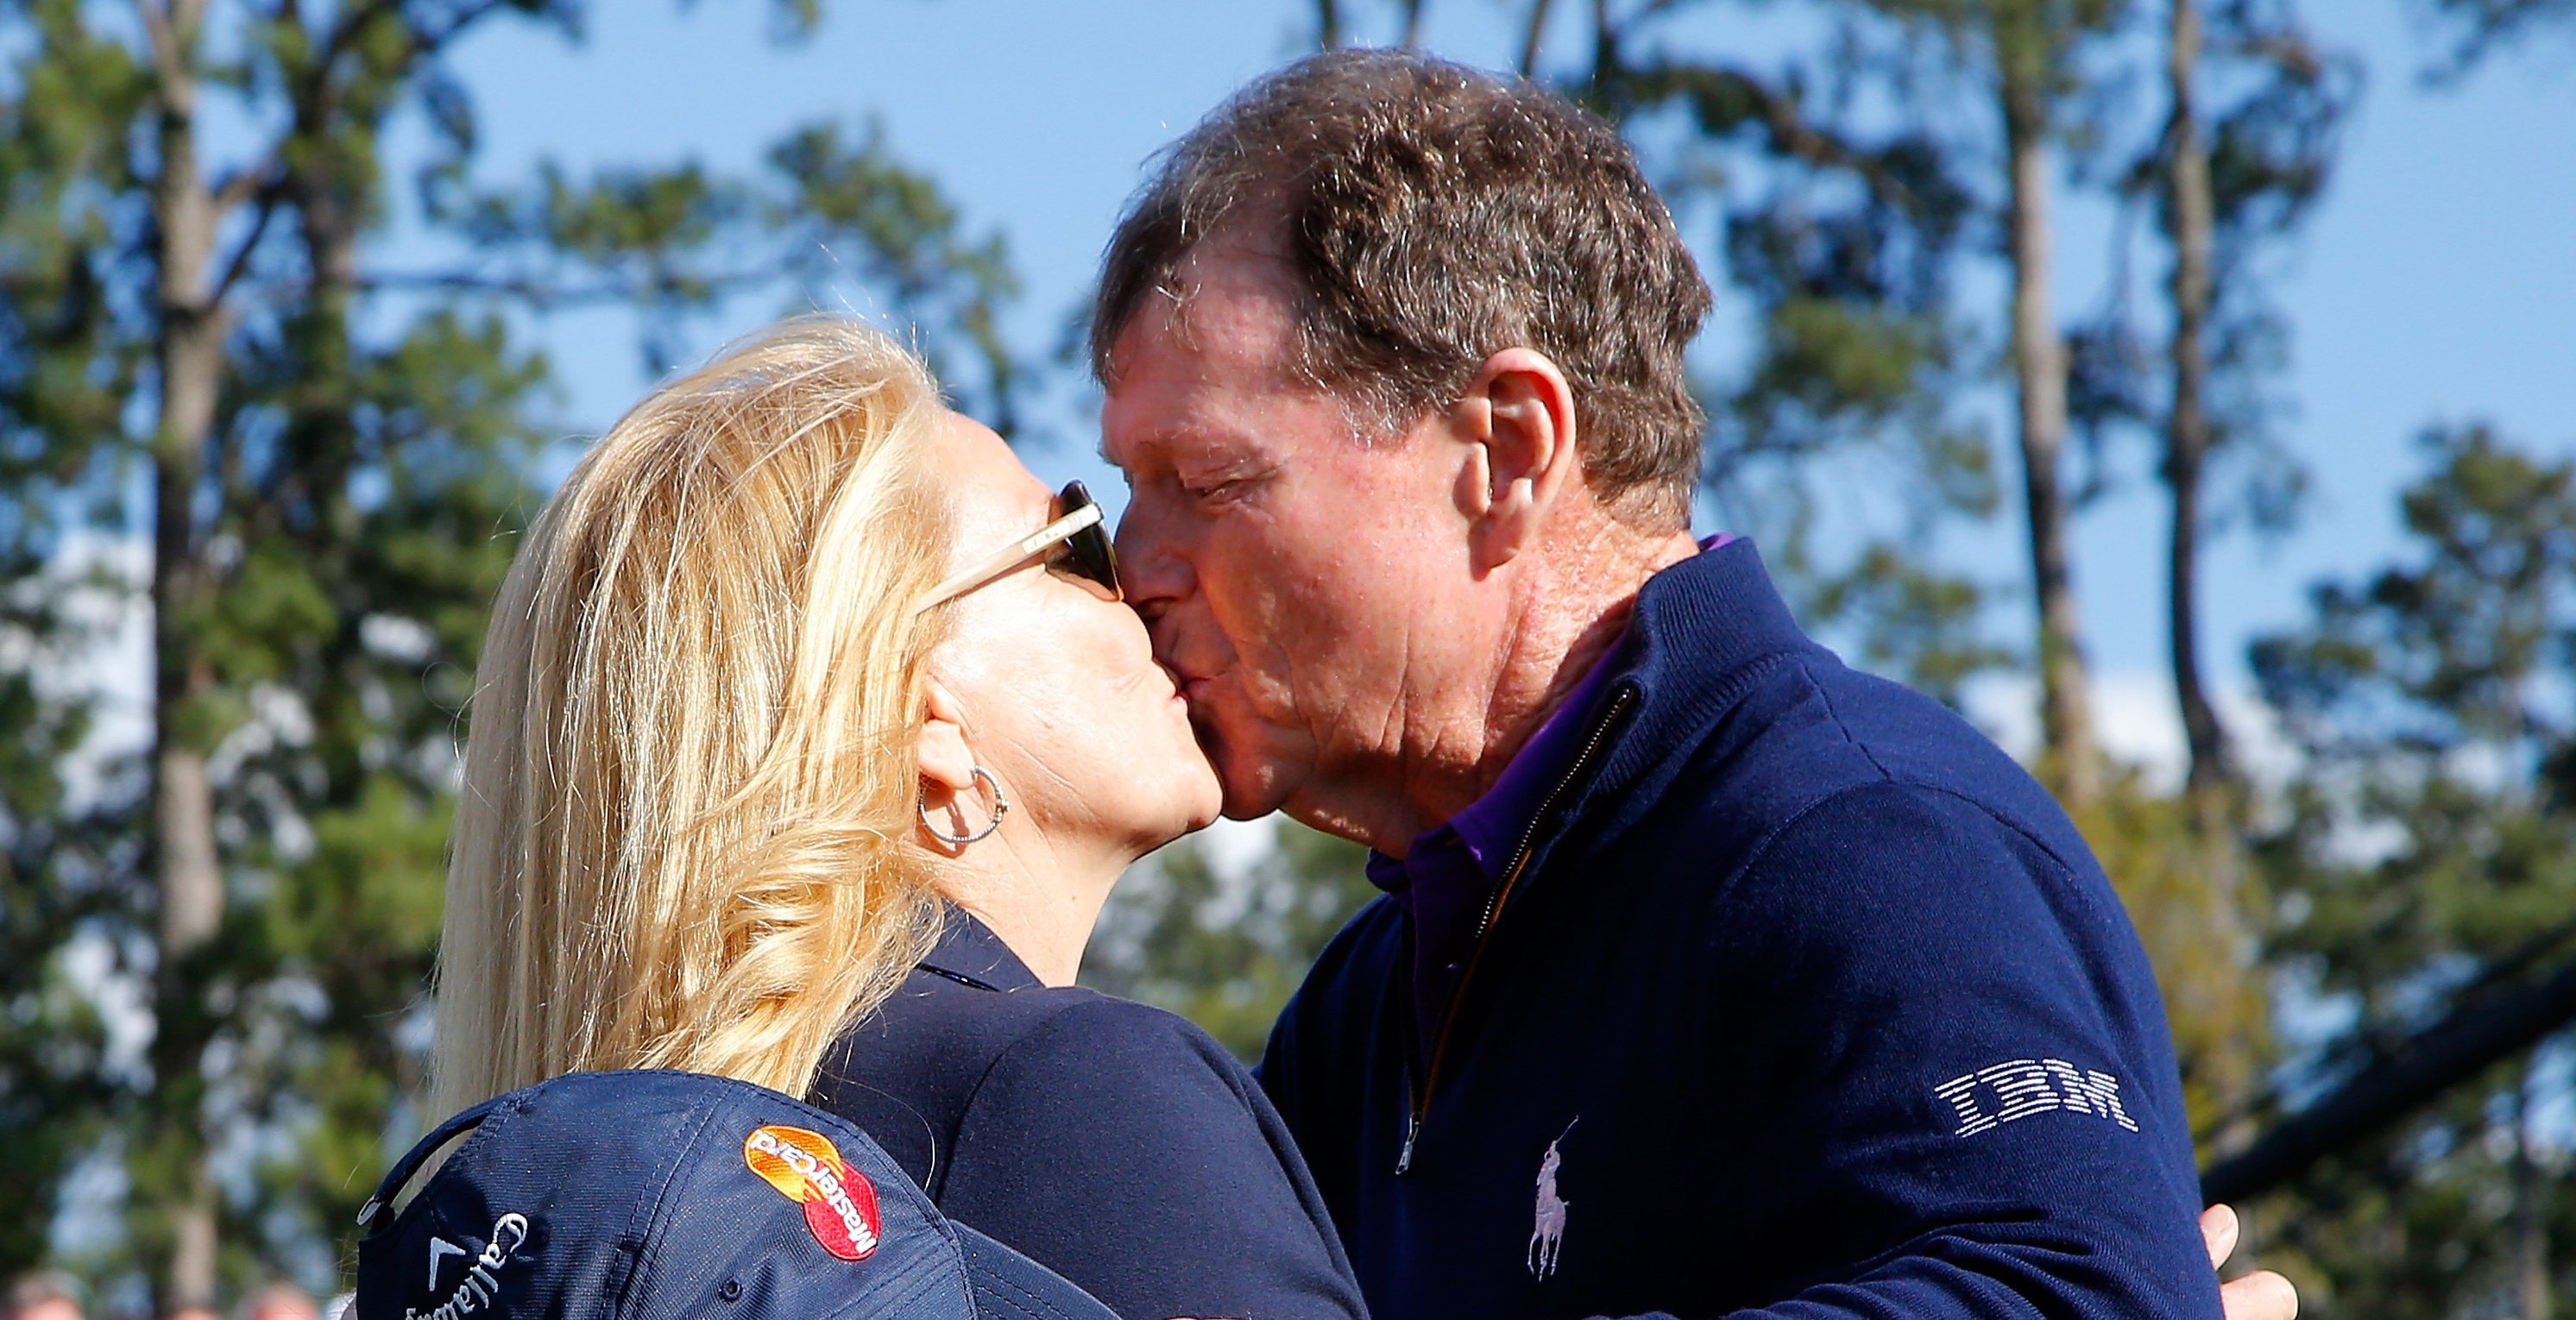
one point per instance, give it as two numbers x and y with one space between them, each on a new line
1802 996
1115 1143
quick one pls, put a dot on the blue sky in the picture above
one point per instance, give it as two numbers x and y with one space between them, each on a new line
2436 282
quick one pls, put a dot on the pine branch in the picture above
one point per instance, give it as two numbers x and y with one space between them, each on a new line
2438 1058
1533 35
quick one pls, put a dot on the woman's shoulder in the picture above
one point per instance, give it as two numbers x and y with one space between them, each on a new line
1113 1141
1122 1146
948 1044
972 1022
962 1022
1102 1034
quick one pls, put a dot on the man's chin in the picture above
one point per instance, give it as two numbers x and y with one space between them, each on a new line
1251 804
1252 786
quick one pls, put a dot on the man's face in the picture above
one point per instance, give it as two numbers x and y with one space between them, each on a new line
1295 578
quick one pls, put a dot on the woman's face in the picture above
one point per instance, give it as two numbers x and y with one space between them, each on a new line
1057 684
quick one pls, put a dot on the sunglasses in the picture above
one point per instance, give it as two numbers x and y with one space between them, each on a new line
1076 544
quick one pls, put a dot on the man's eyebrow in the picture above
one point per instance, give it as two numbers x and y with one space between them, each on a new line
1156 444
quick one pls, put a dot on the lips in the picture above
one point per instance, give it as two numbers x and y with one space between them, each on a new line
1175 653
1183 680
1191 688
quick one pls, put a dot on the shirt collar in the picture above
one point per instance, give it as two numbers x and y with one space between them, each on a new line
1490 828
970 953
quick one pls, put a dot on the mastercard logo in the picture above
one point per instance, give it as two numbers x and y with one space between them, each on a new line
840 1203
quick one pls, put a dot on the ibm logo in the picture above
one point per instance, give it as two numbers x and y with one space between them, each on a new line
1992 1097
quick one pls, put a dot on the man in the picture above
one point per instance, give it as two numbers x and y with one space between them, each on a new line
1710 975
44 1295
282 1301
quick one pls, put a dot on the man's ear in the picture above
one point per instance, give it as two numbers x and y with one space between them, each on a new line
946 763
1518 419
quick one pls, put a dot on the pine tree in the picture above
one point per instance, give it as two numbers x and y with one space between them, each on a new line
319 464
1839 442
2426 860
2474 30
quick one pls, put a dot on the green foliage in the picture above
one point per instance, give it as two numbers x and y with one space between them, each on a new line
2432 837
2477 29
49 1107
2426 855
375 432
2272 137
1841 445
680 241
2426 1221
2170 871
65 369
1916 625
350 508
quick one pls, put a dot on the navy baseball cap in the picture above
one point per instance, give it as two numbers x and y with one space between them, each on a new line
676 1196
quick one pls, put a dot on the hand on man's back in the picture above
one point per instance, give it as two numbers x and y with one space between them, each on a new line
2261 1295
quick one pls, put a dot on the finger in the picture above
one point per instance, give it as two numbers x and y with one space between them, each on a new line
2261 1295
2218 1231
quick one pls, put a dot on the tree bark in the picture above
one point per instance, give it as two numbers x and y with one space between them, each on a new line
2209 782
2531 1189
2040 364
187 874
2190 220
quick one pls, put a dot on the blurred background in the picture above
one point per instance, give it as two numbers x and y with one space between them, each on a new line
2185 389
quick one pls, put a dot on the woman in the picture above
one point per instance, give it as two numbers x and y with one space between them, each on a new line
810 737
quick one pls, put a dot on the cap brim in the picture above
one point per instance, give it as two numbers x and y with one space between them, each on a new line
1009 1286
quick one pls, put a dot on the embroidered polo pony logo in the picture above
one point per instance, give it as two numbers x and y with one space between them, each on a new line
1547 1231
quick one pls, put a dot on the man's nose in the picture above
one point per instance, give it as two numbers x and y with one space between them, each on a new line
1153 564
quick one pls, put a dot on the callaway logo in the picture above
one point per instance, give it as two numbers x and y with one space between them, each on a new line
840 1203
480 1286
438 1247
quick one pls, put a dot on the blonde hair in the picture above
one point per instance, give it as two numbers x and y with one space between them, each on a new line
689 787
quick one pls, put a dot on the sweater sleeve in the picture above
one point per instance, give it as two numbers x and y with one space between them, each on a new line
1959 1070
1121 1147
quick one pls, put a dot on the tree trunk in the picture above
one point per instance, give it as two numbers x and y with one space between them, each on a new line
321 424
2039 359
2209 783
187 875
2531 1189
2190 220
1534 36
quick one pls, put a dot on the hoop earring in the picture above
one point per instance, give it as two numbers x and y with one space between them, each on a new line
1001 807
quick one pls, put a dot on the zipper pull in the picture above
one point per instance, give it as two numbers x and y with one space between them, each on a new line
1404 1157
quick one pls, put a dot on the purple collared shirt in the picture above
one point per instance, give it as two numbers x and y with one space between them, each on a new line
1448 873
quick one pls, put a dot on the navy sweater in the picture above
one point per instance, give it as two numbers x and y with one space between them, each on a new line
1115 1143
1802 997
